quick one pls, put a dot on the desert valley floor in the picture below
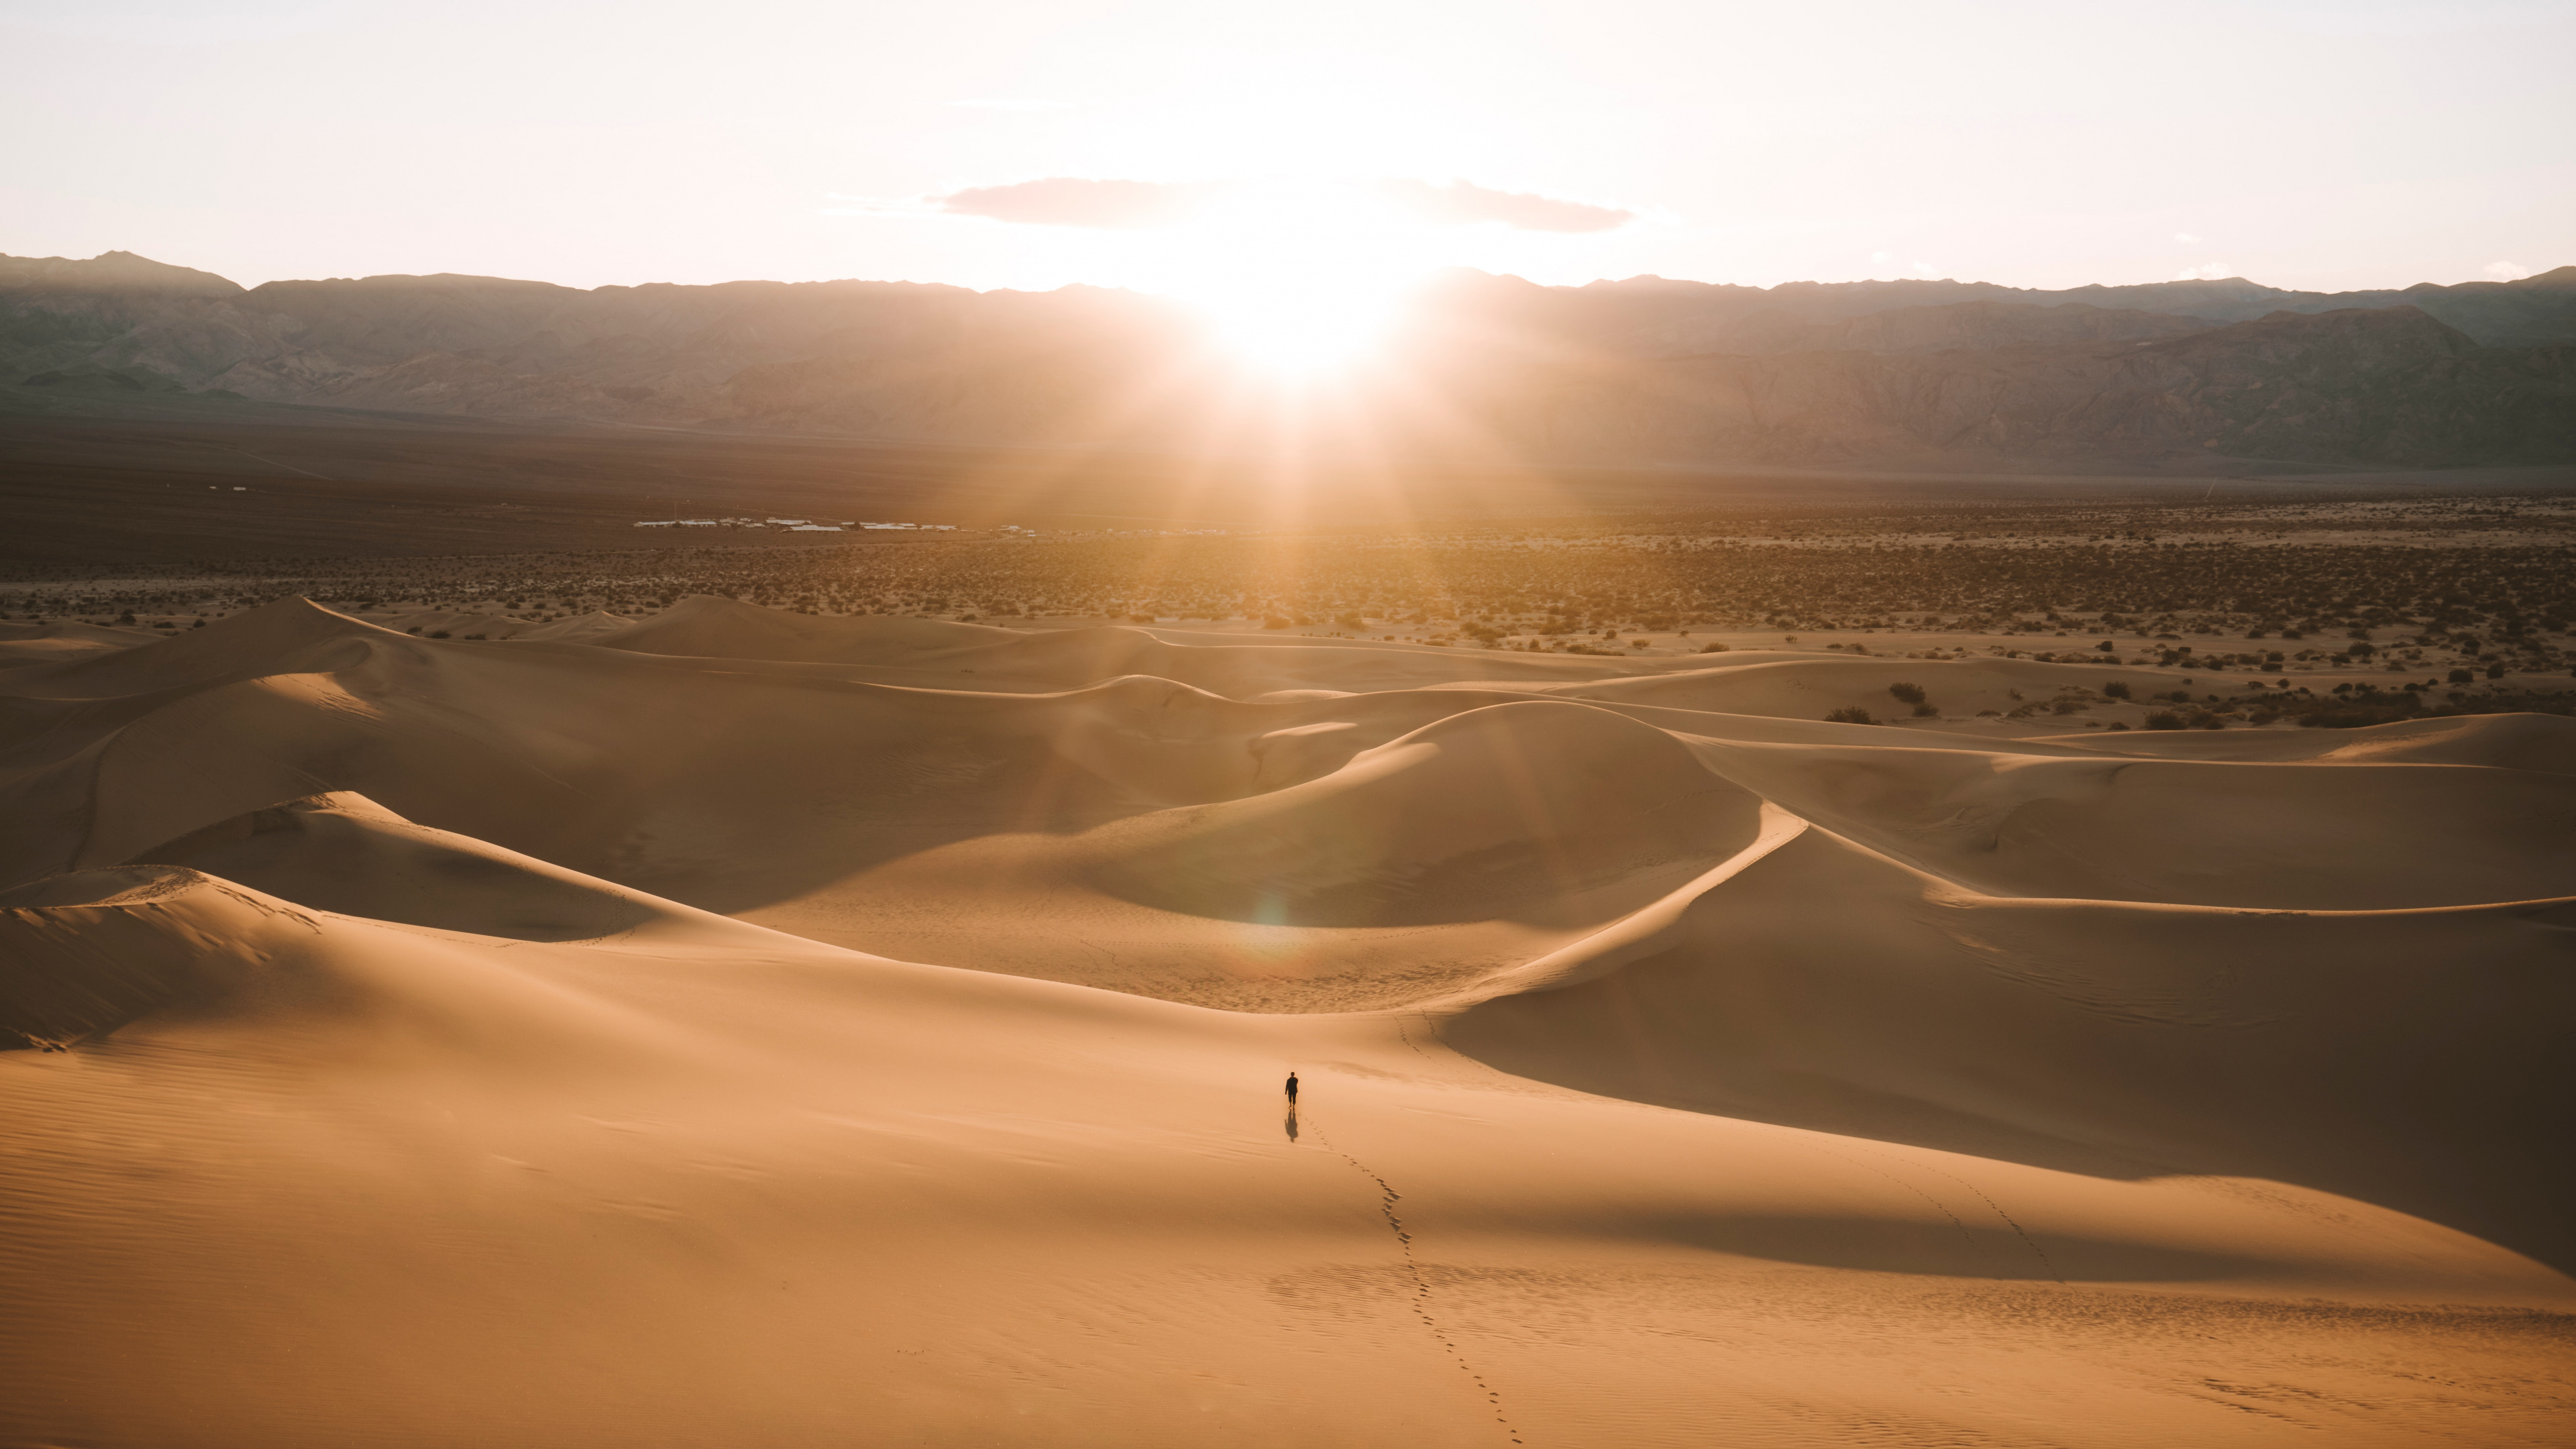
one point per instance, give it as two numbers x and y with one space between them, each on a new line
742 1028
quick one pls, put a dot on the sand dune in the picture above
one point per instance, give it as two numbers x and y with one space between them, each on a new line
2543 743
750 1028
457 624
22 643
944 653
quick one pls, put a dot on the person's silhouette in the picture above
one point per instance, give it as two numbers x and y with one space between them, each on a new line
1292 1089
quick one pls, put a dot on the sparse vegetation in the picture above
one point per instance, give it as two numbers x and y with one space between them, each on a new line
2179 589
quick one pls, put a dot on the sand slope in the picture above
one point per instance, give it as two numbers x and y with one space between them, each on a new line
446 1042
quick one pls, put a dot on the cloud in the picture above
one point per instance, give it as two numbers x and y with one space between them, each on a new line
2214 272
1466 203
1085 201
1926 269
1882 258
2186 238
1122 205
1012 103
2506 271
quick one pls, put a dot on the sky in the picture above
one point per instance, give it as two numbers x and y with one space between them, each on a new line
1200 147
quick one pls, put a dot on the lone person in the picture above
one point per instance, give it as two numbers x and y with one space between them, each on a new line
1292 1089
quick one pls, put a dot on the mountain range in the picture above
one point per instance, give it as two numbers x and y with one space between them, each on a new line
1646 369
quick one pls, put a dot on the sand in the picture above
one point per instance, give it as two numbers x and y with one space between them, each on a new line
741 1028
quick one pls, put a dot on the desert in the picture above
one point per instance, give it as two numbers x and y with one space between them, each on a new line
730 1024
1121 724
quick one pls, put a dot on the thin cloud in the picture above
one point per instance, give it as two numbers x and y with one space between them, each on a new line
2214 272
2186 238
1085 201
1927 271
2506 271
1466 203
1123 205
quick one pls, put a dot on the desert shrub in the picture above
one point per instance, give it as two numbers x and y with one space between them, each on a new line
2119 724
2115 690
1927 711
438 633
1850 714
1907 693
2066 706
1712 649
2495 671
2164 719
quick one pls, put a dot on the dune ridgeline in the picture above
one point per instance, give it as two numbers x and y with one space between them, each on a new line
746 1028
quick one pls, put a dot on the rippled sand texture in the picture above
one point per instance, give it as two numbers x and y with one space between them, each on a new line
747 1029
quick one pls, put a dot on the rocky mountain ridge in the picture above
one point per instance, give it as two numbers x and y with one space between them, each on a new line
1645 368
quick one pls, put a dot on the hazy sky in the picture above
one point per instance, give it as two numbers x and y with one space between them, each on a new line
1169 145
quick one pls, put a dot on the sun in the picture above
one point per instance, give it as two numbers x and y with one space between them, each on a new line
1301 326
1300 280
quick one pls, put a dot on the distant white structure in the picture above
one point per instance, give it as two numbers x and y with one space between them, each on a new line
697 523
662 523
791 522
813 528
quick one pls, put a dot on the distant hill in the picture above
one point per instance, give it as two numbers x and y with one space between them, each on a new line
1897 372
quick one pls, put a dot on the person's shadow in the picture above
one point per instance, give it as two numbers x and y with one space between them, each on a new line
1292 1121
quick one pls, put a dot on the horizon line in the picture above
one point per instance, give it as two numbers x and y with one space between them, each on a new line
1426 277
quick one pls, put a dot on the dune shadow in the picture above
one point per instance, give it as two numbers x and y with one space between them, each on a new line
2407 1153
1947 1249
